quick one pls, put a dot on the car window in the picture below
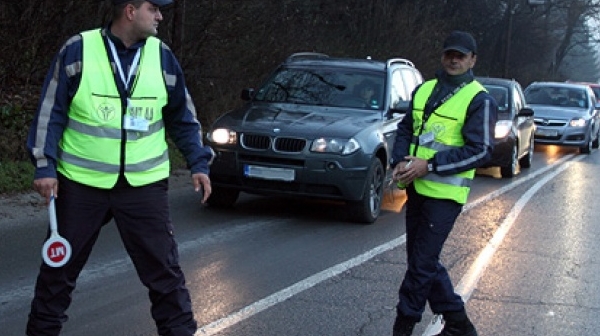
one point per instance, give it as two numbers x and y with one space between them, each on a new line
324 87
557 96
596 90
518 98
403 82
500 94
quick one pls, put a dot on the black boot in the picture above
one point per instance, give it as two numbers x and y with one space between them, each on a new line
457 324
403 326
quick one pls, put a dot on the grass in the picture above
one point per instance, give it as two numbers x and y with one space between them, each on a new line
17 177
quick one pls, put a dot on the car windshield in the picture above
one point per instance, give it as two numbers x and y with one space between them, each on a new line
324 87
500 94
556 96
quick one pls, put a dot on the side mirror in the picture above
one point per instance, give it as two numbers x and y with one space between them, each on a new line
525 112
401 106
247 94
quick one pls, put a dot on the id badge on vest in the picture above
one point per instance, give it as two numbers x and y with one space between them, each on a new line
426 138
135 121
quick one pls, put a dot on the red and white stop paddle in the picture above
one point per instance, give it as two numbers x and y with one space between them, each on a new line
57 250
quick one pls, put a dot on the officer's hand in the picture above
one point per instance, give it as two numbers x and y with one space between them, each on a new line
202 182
406 173
46 185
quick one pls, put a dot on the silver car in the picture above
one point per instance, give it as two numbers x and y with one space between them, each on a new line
566 114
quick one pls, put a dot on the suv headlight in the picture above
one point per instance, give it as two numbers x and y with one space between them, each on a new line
339 146
223 136
579 122
503 127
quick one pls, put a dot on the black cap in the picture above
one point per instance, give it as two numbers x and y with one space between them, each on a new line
159 3
460 41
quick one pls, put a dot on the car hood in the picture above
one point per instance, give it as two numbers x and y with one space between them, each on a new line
558 112
299 120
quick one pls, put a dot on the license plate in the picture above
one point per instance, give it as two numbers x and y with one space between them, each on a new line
269 173
545 132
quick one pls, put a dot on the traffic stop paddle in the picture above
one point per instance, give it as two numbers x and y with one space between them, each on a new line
57 250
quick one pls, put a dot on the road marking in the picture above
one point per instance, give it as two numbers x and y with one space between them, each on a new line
96 271
469 281
286 293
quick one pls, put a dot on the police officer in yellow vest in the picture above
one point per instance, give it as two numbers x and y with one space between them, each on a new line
98 143
445 136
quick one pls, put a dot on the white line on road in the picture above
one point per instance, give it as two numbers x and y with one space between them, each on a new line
286 293
469 281
11 297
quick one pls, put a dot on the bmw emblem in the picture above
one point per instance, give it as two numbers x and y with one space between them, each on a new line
276 130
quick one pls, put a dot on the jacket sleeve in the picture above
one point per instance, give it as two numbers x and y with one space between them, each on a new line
478 134
50 119
180 117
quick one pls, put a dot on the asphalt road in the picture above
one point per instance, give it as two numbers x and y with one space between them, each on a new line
523 254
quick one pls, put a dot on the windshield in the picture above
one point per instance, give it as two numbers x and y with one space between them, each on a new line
556 96
500 94
324 87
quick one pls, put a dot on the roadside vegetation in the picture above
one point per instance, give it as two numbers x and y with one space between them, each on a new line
227 45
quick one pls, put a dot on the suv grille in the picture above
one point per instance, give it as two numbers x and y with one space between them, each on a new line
254 141
263 142
289 145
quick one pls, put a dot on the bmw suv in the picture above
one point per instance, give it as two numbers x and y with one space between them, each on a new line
319 127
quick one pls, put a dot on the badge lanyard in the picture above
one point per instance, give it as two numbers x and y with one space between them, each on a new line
429 108
132 70
131 121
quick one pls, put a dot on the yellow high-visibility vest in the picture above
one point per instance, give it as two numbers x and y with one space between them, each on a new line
442 131
90 149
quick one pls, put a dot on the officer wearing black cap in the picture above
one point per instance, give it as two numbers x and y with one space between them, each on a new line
98 142
439 143
159 3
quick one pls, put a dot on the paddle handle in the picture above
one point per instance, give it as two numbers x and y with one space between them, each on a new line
52 215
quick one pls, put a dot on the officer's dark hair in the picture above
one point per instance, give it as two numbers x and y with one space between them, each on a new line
118 9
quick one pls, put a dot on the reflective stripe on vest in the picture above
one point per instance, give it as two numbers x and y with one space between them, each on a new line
90 149
446 123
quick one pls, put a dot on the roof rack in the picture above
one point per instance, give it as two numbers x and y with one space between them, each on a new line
306 55
399 60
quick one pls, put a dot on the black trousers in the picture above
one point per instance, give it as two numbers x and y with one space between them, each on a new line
142 217
428 224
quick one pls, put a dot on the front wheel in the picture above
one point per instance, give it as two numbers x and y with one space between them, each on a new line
525 161
587 149
511 169
367 209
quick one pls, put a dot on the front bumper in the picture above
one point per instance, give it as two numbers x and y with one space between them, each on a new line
322 176
563 136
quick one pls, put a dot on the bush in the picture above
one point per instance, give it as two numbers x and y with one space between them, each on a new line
15 177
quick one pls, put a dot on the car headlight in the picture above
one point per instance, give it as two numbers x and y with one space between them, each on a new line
223 136
503 127
328 145
579 122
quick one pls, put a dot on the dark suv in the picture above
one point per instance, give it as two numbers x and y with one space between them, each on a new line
319 127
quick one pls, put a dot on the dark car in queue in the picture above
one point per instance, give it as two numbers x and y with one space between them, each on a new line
566 114
320 127
515 128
